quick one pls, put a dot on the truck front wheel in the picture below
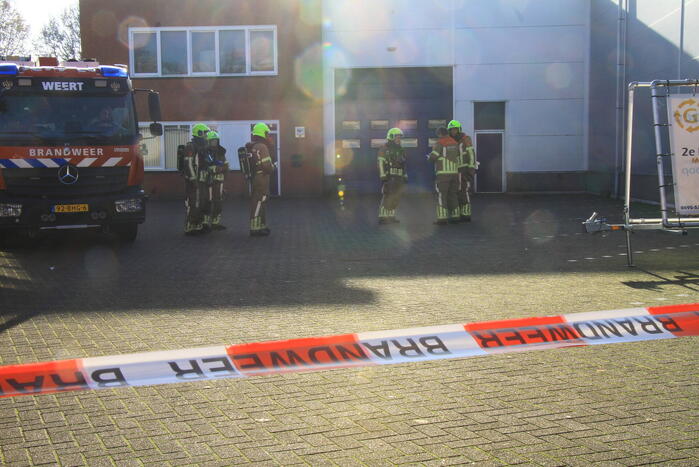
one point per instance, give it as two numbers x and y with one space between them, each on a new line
125 232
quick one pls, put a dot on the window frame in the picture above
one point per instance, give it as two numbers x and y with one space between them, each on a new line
188 56
132 50
217 51
190 63
214 123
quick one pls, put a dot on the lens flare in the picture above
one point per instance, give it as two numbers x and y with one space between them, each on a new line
123 31
308 72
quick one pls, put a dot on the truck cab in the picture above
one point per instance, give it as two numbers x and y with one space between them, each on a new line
69 148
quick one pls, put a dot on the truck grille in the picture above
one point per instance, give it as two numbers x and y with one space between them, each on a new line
44 181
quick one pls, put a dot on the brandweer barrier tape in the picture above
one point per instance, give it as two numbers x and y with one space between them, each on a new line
351 350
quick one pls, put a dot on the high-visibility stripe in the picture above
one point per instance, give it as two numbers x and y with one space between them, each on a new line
351 350
112 161
38 163
87 162
8 164
23 164
51 163
35 163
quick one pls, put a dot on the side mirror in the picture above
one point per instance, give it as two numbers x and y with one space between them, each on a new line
154 106
156 129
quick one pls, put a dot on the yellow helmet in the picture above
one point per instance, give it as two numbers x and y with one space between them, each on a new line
393 132
260 129
200 128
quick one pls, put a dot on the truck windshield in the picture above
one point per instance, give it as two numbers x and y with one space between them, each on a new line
32 119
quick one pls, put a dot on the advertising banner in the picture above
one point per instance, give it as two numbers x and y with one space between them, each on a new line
683 116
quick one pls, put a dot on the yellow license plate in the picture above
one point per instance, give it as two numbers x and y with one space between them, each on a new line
70 208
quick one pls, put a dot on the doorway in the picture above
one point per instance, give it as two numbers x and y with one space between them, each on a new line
489 126
489 150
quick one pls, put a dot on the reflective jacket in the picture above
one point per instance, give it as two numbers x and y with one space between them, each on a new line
466 153
446 156
392 160
217 164
261 158
195 160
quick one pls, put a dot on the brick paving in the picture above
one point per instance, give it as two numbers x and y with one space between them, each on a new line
330 271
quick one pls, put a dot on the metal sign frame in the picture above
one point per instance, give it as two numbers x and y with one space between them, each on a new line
675 224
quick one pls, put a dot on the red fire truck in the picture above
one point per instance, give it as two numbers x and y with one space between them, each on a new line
69 148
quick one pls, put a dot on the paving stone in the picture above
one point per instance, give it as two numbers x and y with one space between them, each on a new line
325 271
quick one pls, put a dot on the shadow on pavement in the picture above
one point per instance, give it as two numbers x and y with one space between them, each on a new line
314 249
687 280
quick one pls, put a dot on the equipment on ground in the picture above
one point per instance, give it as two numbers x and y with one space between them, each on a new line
677 144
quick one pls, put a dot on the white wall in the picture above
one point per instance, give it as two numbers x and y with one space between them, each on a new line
654 29
530 53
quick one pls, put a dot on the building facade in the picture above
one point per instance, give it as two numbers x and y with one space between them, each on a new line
535 83
225 63
519 79
642 41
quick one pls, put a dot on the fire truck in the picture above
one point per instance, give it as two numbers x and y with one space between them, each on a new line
69 148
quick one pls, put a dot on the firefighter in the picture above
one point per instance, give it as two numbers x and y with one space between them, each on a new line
393 175
261 168
218 167
467 168
445 155
193 158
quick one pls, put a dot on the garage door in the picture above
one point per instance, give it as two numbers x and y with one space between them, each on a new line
369 102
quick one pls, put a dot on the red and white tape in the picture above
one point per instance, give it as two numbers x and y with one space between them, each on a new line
351 350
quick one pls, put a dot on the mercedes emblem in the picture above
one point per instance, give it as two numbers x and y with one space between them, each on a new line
68 174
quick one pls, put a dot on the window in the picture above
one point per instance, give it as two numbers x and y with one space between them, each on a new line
173 50
407 124
489 115
262 50
351 125
144 46
173 136
351 144
160 152
203 51
377 142
232 51
150 149
434 124
74 120
379 124
409 142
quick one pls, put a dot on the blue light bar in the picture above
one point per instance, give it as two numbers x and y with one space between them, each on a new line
9 69
113 72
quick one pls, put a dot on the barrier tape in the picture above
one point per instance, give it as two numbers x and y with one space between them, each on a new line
351 350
